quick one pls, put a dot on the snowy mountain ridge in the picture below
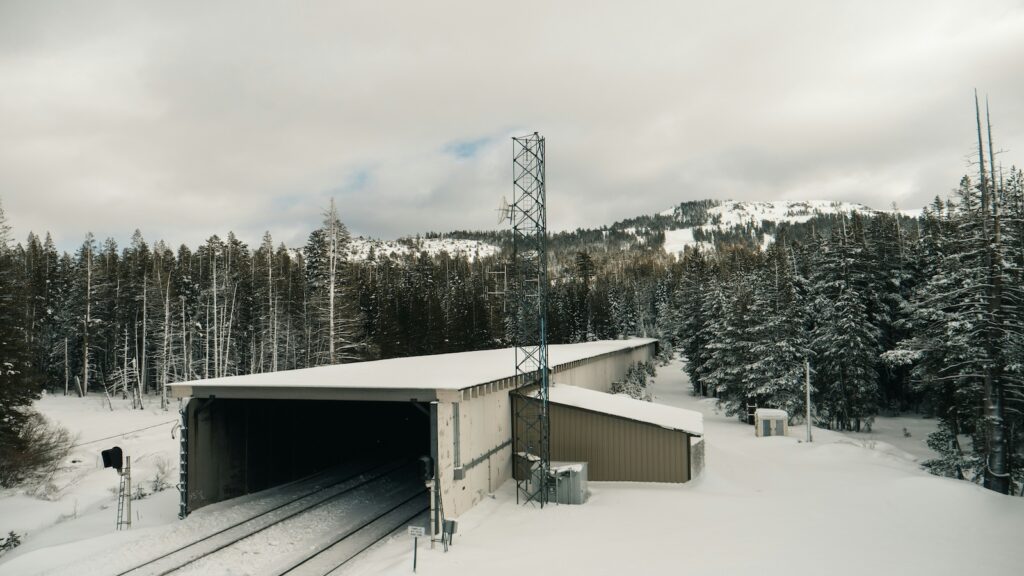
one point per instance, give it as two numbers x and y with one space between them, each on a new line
731 214
700 223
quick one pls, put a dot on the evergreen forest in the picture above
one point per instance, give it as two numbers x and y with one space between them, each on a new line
885 313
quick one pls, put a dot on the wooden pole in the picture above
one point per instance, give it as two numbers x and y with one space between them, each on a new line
807 403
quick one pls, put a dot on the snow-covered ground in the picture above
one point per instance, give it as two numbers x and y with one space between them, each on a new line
677 240
77 510
846 504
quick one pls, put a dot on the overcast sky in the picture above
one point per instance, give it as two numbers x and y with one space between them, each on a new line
185 119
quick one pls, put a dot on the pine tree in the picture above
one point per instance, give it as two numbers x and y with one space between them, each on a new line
844 339
338 329
18 383
775 369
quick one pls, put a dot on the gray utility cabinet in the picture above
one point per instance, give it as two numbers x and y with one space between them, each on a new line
570 482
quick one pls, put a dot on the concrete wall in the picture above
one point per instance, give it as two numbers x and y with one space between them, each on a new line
484 444
599 372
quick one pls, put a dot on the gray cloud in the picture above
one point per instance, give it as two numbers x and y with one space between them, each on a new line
188 119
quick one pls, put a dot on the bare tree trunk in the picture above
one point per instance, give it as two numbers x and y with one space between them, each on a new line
997 477
227 332
271 309
333 259
138 387
216 341
66 368
166 347
142 380
206 344
88 320
186 351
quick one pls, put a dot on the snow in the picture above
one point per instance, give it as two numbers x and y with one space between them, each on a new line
677 240
621 405
730 214
845 505
733 213
359 248
770 413
80 501
438 372
848 504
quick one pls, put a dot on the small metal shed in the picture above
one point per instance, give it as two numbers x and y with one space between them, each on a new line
770 422
621 439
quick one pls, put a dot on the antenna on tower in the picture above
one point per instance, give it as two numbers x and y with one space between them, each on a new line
504 212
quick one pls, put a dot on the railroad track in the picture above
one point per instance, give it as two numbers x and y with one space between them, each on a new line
331 555
209 545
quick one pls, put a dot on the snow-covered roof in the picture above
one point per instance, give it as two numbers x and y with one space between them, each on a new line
770 413
437 372
621 405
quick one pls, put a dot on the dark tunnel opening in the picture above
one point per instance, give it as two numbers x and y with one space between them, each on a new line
241 446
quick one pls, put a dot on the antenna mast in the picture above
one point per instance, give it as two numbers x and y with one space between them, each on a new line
528 216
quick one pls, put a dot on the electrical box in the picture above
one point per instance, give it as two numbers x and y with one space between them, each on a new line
569 481
770 422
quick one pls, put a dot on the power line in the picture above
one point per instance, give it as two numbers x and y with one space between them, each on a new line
123 433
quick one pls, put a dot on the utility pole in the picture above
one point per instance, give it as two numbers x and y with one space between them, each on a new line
807 402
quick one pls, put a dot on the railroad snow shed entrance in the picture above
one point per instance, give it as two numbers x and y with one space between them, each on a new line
620 438
246 433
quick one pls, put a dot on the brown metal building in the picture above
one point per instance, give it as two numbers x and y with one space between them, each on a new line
620 438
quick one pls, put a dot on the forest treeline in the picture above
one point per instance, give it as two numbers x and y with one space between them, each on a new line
128 320
888 317
889 313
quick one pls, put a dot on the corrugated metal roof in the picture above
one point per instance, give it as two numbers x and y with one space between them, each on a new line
438 372
629 408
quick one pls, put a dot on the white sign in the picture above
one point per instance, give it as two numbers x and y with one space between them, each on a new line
416 531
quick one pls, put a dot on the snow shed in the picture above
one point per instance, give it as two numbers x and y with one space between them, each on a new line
242 434
621 438
770 422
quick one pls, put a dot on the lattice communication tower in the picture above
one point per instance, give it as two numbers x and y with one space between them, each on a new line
528 217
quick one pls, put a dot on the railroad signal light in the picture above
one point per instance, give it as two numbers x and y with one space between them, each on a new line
113 458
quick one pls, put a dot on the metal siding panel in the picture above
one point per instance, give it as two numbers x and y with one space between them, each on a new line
618 449
686 458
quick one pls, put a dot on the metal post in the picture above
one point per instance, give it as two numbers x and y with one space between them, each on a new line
435 484
128 485
430 519
807 403
183 464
